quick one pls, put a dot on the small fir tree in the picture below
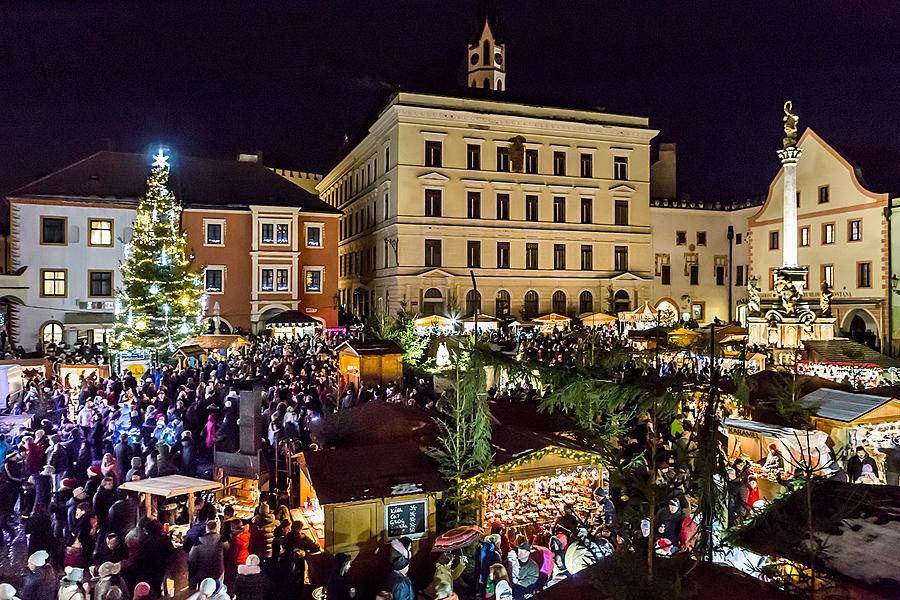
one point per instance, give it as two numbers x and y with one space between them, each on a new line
161 301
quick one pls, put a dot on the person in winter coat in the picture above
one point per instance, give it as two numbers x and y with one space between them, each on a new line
488 555
856 462
892 462
122 452
71 586
207 559
262 531
103 501
526 572
210 589
111 550
668 522
43 487
251 583
108 578
188 454
338 586
399 584
136 471
237 553
737 494
165 464
122 516
39 582
39 531
752 493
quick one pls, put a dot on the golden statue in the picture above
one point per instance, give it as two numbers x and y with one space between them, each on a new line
790 126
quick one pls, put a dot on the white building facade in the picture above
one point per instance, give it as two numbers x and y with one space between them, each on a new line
548 208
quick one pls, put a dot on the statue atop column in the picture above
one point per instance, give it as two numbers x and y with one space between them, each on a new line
754 301
787 292
790 126
825 295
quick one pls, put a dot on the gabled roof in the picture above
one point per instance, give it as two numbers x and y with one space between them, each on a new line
360 348
848 351
197 182
846 407
858 524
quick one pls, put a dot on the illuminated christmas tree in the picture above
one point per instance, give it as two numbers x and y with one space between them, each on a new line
161 301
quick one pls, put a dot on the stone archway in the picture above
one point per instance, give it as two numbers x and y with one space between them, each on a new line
860 326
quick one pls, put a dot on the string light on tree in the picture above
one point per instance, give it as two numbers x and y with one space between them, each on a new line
161 299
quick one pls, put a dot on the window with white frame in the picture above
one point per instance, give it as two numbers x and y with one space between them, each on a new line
312 280
314 235
267 280
215 232
267 233
282 280
282 233
214 278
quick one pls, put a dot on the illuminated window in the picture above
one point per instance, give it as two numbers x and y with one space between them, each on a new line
282 283
53 283
804 236
314 236
52 333
282 233
267 280
100 232
827 233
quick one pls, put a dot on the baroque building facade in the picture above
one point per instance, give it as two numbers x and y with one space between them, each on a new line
546 208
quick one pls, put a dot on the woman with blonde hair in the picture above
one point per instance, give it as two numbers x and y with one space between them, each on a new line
498 586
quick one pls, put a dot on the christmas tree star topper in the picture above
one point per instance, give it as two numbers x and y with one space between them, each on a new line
161 159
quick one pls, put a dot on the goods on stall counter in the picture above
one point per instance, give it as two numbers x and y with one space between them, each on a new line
243 509
177 533
541 500
874 436
771 474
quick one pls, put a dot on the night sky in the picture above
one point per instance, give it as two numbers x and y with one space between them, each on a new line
293 78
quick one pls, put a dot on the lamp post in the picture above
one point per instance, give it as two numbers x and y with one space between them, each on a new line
730 236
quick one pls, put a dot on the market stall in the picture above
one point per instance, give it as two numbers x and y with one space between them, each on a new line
166 497
846 361
202 347
291 323
533 478
643 317
485 323
750 440
435 324
352 497
32 367
597 319
71 375
548 323
371 361
853 419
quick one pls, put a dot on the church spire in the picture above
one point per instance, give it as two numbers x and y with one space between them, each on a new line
486 52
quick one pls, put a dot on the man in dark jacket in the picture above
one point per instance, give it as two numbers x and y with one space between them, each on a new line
104 498
188 454
262 531
112 550
123 451
892 462
251 583
207 559
123 515
856 462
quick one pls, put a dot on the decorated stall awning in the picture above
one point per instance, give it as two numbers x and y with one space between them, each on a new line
433 321
552 319
595 319
170 486
643 314
212 342
291 318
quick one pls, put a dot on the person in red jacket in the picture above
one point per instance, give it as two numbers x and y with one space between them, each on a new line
237 553
752 492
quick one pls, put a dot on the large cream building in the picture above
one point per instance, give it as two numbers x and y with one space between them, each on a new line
548 207
842 239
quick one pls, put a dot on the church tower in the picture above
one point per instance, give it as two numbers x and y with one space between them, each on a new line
487 53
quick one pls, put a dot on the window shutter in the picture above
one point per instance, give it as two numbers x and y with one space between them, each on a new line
73 234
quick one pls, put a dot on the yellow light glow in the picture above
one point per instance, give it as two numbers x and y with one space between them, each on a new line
140 324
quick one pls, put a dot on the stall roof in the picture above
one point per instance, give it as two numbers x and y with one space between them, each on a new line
843 406
215 341
370 472
171 485
290 318
859 525
763 428
511 443
847 352
370 347
374 423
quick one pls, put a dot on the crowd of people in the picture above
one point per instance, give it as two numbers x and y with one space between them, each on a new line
87 538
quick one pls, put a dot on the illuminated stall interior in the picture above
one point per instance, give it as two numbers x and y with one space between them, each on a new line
292 323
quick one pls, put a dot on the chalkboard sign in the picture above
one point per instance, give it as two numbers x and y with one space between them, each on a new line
406 519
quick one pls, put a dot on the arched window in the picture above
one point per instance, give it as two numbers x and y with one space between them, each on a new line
559 302
433 302
585 302
52 332
486 53
502 304
500 85
473 302
487 82
622 301
531 307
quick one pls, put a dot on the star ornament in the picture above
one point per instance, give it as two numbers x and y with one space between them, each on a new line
161 159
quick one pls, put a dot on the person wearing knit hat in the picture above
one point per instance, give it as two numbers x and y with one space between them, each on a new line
70 584
210 589
7 592
38 559
141 591
39 581
251 583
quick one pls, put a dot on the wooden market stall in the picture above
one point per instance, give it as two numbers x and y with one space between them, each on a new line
434 323
597 319
370 494
750 440
548 323
203 346
533 477
172 487
485 323
291 323
643 317
371 361
855 419
71 375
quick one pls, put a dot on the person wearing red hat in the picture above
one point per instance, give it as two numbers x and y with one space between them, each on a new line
95 478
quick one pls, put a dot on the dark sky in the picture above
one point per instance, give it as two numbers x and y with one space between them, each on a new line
292 78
